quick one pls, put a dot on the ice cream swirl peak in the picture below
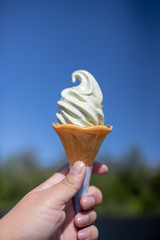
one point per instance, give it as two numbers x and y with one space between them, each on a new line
81 105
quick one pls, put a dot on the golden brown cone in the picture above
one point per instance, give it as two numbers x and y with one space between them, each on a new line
81 143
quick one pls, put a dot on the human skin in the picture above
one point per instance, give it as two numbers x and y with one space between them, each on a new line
47 211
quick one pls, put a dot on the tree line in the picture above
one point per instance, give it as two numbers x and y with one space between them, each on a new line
130 188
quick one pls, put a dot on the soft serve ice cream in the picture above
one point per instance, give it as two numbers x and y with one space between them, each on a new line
81 105
80 125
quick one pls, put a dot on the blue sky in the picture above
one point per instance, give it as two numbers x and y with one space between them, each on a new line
43 42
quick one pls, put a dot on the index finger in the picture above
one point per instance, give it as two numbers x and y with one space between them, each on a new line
99 168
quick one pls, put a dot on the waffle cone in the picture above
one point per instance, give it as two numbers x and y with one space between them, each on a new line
81 143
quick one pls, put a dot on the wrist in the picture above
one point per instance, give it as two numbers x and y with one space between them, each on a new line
5 233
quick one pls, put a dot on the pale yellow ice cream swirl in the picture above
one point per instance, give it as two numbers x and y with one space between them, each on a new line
81 105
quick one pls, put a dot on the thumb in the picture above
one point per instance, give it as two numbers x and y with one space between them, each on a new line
70 185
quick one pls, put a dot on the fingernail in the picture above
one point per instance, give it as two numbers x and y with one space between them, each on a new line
77 168
83 234
89 202
83 220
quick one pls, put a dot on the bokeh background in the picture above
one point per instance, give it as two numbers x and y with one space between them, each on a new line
41 44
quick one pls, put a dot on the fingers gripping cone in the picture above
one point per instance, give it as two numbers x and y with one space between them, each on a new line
81 144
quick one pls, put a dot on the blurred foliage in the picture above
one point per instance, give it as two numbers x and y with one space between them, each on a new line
131 187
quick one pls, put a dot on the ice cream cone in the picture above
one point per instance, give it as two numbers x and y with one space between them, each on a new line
81 144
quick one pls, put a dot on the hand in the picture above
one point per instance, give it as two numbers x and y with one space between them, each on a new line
47 211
